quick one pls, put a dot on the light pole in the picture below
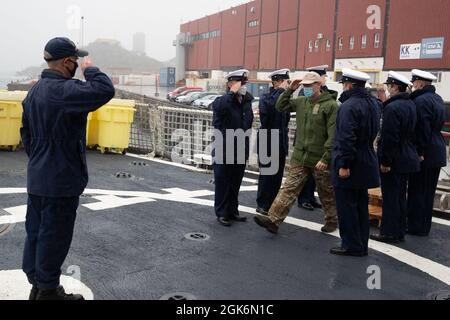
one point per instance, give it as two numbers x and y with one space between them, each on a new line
157 80
82 32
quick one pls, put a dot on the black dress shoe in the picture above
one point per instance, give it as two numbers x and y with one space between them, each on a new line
238 219
317 205
262 211
224 221
417 234
387 239
266 223
306 206
348 253
33 293
58 294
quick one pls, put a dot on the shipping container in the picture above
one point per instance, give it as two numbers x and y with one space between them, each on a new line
167 77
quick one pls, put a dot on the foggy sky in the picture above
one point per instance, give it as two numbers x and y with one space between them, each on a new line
26 25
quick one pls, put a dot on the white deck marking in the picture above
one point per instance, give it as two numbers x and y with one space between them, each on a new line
434 269
17 215
14 286
441 221
110 202
254 181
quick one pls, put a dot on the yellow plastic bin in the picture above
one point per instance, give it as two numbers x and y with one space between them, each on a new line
114 125
92 131
11 119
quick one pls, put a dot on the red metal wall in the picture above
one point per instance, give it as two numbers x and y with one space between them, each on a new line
316 16
288 18
202 46
268 52
286 53
233 37
352 21
253 13
252 53
215 23
410 22
269 17
286 27
192 57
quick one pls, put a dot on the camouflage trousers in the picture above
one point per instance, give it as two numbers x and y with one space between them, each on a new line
296 180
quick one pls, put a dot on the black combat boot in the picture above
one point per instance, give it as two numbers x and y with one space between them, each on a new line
33 293
57 294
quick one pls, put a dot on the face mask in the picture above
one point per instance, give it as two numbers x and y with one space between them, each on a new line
243 90
308 92
74 70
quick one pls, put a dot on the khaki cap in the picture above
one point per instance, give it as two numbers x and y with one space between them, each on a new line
311 77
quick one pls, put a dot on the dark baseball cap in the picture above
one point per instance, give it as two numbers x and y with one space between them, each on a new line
59 48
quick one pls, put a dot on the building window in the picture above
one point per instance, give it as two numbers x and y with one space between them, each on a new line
363 41
253 24
316 45
310 46
352 42
341 43
328 45
376 42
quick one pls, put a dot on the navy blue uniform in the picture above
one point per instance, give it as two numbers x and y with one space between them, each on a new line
357 126
230 114
54 136
396 150
430 145
272 119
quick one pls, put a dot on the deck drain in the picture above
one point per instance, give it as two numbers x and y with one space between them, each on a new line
178 296
197 236
139 164
443 295
123 175
4 229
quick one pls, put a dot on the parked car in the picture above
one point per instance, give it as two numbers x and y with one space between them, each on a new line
172 95
190 98
206 101
182 96
186 97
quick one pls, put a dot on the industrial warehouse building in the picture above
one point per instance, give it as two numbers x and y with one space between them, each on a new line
374 36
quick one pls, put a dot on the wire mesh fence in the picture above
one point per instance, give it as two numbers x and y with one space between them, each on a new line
166 130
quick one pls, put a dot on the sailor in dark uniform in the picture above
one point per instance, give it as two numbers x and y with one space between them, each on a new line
54 121
275 123
354 162
232 120
432 151
307 199
398 157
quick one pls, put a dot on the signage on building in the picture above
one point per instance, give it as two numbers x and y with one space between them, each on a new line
432 48
410 51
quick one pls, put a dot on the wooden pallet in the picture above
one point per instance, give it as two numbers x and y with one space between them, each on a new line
375 205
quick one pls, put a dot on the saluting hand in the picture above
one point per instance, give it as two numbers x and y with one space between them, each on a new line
86 63
236 87
295 85
385 169
344 173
